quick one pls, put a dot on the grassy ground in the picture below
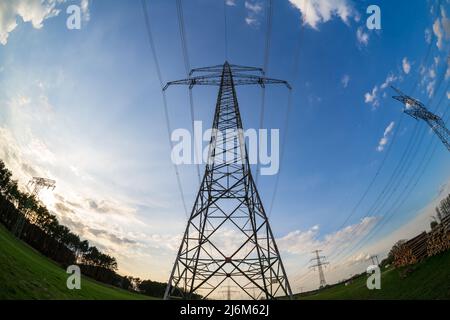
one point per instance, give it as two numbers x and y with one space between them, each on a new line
26 274
429 279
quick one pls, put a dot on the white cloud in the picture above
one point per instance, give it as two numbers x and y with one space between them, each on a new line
445 22
389 79
21 101
432 73
254 10
358 258
430 88
386 135
303 242
428 79
371 97
441 29
428 36
85 10
253 7
300 242
362 37
345 80
230 3
251 21
315 12
438 33
32 11
447 73
406 65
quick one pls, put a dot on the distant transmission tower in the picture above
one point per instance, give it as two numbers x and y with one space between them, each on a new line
41 183
318 262
375 261
228 291
38 184
417 110
227 203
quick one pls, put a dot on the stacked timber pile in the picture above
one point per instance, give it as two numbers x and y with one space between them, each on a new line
411 251
402 255
439 237
418 247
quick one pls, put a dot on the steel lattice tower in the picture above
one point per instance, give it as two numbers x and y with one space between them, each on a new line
374 260
41 183
319 262
228 207
417 110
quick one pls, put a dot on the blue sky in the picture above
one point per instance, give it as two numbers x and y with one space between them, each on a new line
84 107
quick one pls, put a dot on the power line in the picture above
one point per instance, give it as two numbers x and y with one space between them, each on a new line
423 164
295 66
380 167
399 121
390 212
294 69
187 67
372 182
164 98
381 195
268 35
225 20
182 32
421 134
283 148
399 168
426 58
266 71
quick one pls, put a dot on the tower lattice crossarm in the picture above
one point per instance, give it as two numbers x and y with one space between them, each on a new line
417 110
228 238
212 76
39 183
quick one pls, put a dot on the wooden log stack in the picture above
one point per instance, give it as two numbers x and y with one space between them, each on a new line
412 251
418 247
402 255
439 237
424 245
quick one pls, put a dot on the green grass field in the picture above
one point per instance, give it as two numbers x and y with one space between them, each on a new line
26 274
429 279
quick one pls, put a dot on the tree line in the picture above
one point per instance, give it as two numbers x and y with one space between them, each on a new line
35 213
442 211
29 220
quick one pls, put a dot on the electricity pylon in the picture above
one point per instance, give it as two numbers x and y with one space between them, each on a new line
228 235
228 291
39 184
319 261
417 110
374 260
